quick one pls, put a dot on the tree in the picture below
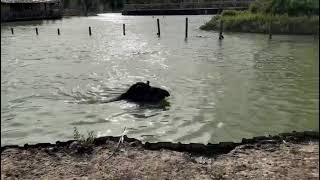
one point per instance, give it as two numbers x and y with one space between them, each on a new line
87 4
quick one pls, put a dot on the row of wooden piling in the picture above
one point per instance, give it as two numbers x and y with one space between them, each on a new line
158 27
58 31
123 29
37 31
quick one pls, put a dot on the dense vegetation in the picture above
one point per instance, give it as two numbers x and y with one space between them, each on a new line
285 16
290 7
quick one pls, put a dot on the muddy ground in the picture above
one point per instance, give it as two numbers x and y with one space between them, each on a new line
265 159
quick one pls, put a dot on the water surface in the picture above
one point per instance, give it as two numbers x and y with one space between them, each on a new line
243 86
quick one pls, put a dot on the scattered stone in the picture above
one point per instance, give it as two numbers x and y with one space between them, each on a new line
75 146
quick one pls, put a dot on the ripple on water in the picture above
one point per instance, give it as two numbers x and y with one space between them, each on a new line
16 124
80 123
14 134
243 86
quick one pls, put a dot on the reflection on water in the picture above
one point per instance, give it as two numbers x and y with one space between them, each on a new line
242 86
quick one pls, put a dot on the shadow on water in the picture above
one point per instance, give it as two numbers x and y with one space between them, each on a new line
95 96
26 23
164 105
137 111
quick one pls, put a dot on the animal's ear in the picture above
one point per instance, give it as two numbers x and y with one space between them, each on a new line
148 82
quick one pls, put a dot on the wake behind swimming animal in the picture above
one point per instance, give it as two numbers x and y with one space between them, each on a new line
142 92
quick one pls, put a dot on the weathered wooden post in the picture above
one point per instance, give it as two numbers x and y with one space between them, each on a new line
186 28
158 23
270 29
294 28
58 31
220 30
90 30
124 29
37 31
12 31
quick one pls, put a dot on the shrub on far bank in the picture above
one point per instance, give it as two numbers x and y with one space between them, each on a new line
261 6
259 23
230 12
290 7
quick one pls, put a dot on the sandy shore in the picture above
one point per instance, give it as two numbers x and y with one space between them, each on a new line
272 158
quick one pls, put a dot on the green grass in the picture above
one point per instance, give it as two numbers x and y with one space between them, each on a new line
259 23
85 141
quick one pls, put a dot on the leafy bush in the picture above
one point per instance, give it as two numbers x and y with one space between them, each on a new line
290 7
230 12
213 24
259 23
86 141
253 8
260 6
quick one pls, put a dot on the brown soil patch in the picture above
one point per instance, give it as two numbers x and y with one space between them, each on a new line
284 160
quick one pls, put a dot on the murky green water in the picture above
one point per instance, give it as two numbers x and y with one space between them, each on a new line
241 87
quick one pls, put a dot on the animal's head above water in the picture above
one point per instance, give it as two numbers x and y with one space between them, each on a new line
143 92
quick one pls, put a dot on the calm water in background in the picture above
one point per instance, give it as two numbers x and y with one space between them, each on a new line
241 87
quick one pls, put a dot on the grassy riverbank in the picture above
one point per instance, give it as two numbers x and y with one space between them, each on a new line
294 156
284 16
259 23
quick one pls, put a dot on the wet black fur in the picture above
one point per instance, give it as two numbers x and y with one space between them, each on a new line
142 92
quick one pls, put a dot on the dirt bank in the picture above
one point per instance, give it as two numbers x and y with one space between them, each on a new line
293 156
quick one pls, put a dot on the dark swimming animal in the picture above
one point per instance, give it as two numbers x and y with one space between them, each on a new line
142 92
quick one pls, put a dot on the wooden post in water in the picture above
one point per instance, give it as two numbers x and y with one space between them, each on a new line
37 31
158 24
220 30
270 29
90 30
186 28
124 29
12 31
58 31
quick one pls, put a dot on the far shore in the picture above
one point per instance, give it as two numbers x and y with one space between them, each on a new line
244 21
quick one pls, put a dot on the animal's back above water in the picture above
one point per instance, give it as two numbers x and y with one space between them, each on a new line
142 92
